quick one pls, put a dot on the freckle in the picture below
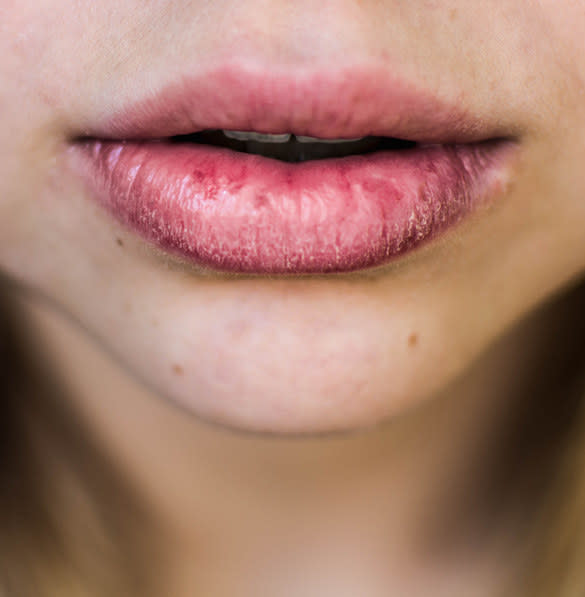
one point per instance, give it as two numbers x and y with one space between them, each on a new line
413 340
178 370
120 242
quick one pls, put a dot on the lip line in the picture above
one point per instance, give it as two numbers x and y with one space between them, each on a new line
285 164
349 102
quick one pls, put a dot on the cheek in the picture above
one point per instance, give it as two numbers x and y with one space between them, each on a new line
563 25
26 46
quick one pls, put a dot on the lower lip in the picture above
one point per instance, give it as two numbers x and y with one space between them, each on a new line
241 213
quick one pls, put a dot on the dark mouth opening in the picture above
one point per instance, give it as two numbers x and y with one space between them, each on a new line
294 149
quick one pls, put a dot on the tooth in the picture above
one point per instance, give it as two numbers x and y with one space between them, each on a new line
262 137
303 139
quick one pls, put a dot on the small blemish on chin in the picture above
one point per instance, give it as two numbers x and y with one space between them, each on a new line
413 340
178 370
119 242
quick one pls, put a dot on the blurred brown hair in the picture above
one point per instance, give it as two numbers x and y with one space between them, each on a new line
69 525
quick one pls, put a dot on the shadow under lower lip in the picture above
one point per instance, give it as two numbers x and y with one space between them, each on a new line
242 213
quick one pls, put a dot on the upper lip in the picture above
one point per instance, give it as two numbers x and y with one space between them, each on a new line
338 102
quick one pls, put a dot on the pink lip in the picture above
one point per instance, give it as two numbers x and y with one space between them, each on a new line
235 212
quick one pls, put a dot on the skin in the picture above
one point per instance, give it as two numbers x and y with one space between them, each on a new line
399 344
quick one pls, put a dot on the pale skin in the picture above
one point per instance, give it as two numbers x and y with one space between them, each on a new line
403 348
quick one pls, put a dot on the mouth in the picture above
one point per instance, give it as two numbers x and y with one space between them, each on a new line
242 171
291 148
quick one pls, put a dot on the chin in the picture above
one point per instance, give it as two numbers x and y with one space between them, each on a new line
301 386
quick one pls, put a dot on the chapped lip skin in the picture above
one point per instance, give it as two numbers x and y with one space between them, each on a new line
241 213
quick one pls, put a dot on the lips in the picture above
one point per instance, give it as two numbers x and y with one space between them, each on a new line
236 212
